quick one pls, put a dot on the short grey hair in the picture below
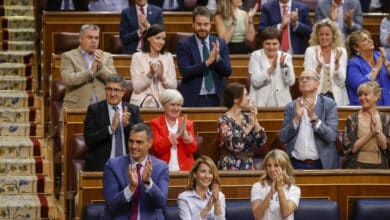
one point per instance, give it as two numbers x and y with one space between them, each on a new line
171 95
88 27
313 73
116 78
140 127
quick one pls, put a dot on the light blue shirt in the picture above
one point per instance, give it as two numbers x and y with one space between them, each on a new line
111 113
384 34
203 90
190 204
108 5
126 191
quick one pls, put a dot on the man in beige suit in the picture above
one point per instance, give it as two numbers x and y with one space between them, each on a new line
85 69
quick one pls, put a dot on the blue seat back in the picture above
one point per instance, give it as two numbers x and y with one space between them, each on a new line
378 209
317 209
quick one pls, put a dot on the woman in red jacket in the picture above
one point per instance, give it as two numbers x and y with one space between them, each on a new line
173 136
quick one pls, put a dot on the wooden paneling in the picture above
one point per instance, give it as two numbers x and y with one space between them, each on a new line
342 186
205 125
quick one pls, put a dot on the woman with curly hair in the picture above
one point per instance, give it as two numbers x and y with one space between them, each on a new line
328 57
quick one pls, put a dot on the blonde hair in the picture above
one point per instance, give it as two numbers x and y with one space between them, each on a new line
370 86
353 40
191 181
337 36
171 95
224 8
283 161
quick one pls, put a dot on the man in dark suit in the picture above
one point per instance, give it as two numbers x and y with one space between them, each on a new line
168 5
292 18
346 13
67 5
135 20
135 186
204 63
310 127
107 125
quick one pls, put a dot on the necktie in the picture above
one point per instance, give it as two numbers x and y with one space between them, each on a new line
134 208
118 138
285 37
66 5
171 4
207 75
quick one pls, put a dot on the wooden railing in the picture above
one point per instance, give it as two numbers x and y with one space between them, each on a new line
205 125
342 186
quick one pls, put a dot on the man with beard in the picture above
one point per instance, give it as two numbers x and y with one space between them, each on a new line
204 63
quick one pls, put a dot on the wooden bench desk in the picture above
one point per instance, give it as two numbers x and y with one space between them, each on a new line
342 186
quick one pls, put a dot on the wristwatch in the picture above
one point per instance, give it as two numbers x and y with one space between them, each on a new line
314 120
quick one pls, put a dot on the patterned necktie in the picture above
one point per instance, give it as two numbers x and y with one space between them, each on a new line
208 77
118 137
285 37
134 206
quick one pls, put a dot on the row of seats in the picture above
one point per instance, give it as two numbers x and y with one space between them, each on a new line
308 209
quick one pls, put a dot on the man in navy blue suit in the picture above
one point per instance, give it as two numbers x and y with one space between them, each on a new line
135 186
135 20
290 16
204 63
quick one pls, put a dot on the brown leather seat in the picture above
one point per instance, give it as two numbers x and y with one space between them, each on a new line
65 41
189 5
78 151
115 45
176 38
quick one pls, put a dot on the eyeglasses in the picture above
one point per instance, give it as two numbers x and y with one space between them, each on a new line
307 78
113 90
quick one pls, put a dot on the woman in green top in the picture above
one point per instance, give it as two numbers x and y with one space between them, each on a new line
234 25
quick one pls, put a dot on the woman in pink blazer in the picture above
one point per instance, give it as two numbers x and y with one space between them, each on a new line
173 136
152 70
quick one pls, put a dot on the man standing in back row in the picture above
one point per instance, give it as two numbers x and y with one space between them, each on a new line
135 20
204 63
292 19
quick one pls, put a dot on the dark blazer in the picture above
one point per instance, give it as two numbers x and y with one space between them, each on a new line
270 16
325 135
128 29
115 179
98 138
325 6
366 5
192 68
160 4
55 5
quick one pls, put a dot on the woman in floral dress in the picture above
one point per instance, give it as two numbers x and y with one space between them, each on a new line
238 131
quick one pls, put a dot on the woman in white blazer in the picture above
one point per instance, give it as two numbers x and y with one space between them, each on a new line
271 72
328 57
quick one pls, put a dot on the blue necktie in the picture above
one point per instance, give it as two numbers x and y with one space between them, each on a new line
118 137
208 77
66 5
171 4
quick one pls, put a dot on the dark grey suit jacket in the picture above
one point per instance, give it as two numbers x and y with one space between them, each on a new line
325 135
